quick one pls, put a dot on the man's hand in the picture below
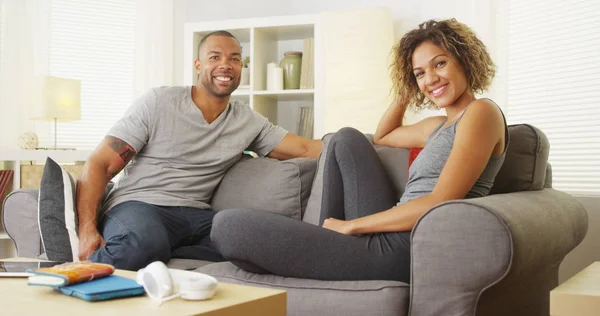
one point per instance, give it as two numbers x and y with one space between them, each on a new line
89 241
340 226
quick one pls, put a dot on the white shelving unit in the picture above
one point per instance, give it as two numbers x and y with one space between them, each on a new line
7 247
264 40
287 95
13 159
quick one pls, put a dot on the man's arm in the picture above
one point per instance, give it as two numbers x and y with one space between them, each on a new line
109 158
294 146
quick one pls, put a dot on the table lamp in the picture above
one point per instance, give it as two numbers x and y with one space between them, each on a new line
59 99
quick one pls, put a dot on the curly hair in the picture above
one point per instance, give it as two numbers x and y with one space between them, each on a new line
455 38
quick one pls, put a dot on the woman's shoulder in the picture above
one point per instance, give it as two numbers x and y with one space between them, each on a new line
483 118
483 110
485 103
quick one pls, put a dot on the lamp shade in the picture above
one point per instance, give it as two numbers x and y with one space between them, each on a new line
57 98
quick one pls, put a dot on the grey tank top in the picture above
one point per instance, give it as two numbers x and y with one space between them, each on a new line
427 167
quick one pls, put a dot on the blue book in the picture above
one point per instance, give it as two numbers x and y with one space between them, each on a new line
109 287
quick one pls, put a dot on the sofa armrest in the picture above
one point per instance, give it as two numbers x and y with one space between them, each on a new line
20 220
499 243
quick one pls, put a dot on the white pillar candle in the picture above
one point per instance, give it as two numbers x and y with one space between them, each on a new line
274 78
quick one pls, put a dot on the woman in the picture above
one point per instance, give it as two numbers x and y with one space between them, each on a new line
365 234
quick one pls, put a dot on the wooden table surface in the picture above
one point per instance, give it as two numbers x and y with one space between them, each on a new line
18 298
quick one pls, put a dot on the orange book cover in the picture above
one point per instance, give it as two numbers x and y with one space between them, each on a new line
70 273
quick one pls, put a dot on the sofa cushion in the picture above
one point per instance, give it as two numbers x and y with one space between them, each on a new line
57 214
266 184
316 297
548 180
394 160
524 167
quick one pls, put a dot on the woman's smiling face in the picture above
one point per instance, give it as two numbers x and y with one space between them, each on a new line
439 75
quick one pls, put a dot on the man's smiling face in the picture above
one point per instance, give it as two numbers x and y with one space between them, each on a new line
220 65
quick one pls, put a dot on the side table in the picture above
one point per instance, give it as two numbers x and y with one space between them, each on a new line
578 296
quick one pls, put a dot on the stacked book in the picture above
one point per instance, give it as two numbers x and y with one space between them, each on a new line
305 121
306 70
86 280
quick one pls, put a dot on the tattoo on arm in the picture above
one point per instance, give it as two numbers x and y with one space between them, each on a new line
125 151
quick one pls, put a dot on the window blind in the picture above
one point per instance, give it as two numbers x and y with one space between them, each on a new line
554 84
94 41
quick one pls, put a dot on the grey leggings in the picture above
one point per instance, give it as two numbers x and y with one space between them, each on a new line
354 185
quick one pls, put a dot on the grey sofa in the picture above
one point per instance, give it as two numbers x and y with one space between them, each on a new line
497 255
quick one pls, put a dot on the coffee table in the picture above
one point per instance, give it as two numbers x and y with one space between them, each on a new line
579 295
18 298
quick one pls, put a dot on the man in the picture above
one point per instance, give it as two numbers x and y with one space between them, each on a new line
180 141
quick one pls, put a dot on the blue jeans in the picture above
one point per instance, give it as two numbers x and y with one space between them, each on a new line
137 233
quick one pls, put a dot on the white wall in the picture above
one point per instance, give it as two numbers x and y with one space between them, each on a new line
407 14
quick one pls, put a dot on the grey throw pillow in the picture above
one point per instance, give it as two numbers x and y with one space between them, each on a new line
57 213
266 184
524 167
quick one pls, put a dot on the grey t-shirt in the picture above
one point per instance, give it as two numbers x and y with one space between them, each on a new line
181 158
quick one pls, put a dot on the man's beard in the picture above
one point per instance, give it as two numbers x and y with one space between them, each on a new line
212 88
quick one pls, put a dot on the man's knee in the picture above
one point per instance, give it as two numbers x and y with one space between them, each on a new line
133 250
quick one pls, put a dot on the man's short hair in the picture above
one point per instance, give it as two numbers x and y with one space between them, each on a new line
215 33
